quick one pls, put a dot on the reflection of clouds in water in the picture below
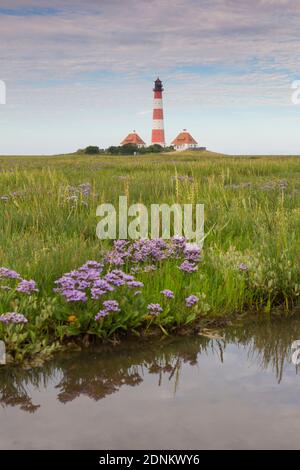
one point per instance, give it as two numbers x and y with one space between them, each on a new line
185 398
98 375
178 366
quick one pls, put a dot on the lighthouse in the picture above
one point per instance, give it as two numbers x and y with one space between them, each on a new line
158 133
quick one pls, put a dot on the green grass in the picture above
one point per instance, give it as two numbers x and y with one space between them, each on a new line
251 216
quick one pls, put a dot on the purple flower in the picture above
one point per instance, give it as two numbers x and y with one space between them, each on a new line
154 309
188 267
148 251
122 275
192 252
84 278
74 295
96 293
27 287
101 314
168 293
115 259
114 279
100 288
91 264
103 284
135 284
111 305
178 242
13 317
243 267
120 244
9 274
82 285
87 274
128 278
119 253
85 189
191 300
176 247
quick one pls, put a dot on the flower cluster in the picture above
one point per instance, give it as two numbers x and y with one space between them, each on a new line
73 285
27 287
154 309
109 306
144 254
188 267
192 252
168 293
9 274
12 279
13 318
98 281
191 300
78 193
90 282
243 267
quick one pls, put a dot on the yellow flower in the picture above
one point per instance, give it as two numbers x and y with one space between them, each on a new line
72 318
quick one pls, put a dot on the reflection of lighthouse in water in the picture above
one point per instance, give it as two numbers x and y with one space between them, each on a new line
158 133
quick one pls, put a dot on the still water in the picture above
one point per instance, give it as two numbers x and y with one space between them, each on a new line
240 391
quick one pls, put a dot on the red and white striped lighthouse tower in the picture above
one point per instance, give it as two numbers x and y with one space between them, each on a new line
158 133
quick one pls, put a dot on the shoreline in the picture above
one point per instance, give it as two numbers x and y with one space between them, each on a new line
211 328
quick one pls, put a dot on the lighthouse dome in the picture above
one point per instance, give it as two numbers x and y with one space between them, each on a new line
158 85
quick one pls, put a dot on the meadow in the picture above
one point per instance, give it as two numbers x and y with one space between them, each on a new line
250 261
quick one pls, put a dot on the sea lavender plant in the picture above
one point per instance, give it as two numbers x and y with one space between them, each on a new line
101 314
192 252
135 284
13 318
74 295
154 309
188 267
27 287
111 306
243 267
168 293
9 274
191 300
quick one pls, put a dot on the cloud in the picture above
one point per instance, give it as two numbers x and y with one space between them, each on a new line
64 56
145 36
28 11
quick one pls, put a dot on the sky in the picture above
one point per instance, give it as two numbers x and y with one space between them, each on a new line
81 73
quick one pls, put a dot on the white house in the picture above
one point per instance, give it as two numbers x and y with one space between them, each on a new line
135 139
184 141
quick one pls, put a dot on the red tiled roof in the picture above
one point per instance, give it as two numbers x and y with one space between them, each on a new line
133 138
184 138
